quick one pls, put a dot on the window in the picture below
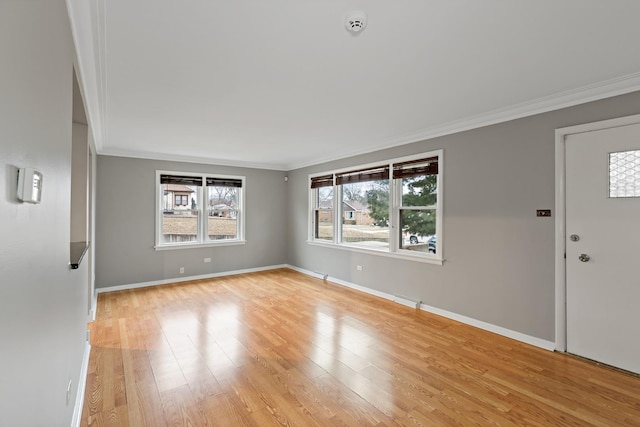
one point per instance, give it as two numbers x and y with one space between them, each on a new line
417 184
624 174
181 200
198 209
393 207
223 197
323 207
365 206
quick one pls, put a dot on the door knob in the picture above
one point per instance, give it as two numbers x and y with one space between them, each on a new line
584 257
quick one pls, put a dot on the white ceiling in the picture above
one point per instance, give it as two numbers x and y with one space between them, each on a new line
282 84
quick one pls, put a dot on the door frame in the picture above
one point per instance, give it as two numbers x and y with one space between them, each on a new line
560 222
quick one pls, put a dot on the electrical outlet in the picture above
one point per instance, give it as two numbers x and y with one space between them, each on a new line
181 270
359 267
207 260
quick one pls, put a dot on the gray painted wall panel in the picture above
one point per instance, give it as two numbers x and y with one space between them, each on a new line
125 224
499 256
43 303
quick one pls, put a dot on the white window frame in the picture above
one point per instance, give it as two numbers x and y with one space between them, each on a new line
202 240
395 202
313 207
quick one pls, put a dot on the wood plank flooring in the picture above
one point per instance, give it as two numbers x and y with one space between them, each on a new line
279 348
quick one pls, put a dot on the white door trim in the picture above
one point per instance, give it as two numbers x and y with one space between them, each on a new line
560 200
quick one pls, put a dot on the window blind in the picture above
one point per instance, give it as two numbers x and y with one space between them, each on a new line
224 182
371 174
413 168
181 180
322 181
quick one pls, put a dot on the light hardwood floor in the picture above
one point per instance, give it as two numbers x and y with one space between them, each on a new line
280 348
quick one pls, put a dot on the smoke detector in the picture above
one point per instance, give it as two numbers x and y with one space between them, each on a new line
356 21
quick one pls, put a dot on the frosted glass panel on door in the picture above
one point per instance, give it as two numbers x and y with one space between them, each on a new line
624 174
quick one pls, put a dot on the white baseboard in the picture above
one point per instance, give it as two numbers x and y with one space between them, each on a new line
186 279
343 283
82 385
518 336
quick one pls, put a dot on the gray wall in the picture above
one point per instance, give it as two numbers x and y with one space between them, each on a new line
43 304
499 264
125 224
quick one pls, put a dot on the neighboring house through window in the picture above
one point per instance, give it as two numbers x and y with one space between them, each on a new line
350 214
181 194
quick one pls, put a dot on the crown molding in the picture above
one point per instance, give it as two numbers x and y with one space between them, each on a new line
606 89
191 159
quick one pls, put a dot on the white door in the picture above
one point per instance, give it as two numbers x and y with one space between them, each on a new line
603 245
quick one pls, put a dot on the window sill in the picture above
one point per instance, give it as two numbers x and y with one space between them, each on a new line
198 245
398 255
